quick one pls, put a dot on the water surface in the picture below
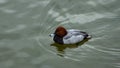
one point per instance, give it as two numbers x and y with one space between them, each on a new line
25 27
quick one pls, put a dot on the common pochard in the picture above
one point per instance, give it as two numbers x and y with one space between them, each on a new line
70 36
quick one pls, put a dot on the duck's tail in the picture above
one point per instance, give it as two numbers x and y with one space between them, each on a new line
87 36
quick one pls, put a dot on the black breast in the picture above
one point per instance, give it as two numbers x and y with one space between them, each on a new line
58 39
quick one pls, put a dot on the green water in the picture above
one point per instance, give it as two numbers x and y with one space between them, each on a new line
25 26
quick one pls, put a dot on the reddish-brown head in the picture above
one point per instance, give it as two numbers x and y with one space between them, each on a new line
60 31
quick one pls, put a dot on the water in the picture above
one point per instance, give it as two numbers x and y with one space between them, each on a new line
25 26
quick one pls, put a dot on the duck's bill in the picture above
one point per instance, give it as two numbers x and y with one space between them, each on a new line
52 35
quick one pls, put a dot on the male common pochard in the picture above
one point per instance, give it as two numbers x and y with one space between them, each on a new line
71 36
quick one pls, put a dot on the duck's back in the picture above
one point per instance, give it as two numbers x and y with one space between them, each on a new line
74 36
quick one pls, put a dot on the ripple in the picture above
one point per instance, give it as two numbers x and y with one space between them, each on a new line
84 18
41 3
3 1
7 64
17 28
5 10
97 2
92 3
41 45
105 1
53 13
22 54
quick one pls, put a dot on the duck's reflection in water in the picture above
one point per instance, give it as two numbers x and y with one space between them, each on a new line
61 47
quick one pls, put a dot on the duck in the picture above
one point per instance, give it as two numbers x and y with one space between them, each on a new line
69 36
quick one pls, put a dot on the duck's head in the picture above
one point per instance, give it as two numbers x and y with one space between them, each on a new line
60 31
